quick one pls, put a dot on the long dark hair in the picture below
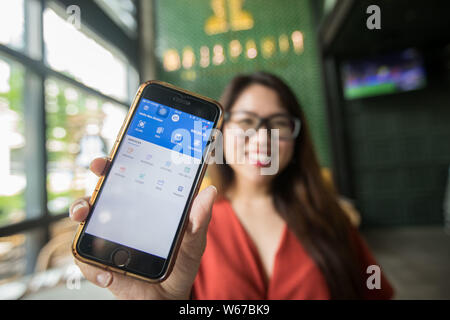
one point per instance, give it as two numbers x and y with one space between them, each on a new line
301 197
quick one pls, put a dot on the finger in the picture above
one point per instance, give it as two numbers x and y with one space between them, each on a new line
98 166
79 209
200 214
95 275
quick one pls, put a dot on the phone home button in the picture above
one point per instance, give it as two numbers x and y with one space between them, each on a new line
121 257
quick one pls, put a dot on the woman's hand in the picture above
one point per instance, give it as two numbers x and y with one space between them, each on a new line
179 283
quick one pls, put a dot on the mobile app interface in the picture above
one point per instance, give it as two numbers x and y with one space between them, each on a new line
141 203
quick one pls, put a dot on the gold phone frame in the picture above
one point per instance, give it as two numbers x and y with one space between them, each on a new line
196 184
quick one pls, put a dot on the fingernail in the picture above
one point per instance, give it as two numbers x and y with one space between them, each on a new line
213 188
78 206
103 279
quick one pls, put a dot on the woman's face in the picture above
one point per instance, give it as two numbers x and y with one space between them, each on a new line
255 101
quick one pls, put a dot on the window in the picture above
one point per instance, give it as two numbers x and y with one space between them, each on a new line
80 127
123 12
12 24
71 51
12 142
64 93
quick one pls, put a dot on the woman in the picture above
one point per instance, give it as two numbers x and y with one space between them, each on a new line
271 236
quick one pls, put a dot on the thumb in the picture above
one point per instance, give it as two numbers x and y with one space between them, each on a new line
193 245
201 210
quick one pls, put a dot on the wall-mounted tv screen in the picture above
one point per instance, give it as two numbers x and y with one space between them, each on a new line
384 74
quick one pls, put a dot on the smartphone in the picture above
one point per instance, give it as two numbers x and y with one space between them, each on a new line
140 206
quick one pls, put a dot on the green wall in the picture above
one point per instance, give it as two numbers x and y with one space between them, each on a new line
181 23
400 155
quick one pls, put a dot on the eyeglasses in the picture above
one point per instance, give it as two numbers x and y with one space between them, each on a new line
288 126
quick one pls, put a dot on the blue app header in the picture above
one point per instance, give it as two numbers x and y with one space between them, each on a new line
170 128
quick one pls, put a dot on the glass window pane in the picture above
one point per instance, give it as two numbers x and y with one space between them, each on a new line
123 12
73 52
12 143
80 127
12 23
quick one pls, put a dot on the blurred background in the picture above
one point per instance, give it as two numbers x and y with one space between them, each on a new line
377 101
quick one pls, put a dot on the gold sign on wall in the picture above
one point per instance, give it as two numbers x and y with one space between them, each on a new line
235 49
171 60
268 47
237 18
218 54
228 15
250 49
204 56
297 40
188 58
283 41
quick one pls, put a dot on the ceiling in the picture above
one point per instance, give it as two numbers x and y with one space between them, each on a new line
404 23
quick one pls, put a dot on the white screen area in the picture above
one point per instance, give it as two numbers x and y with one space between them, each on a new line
143 198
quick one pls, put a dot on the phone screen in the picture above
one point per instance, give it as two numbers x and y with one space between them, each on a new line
142 200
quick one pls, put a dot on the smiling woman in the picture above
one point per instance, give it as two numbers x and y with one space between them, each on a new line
279 236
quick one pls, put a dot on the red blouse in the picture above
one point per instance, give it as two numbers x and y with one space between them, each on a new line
231 267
